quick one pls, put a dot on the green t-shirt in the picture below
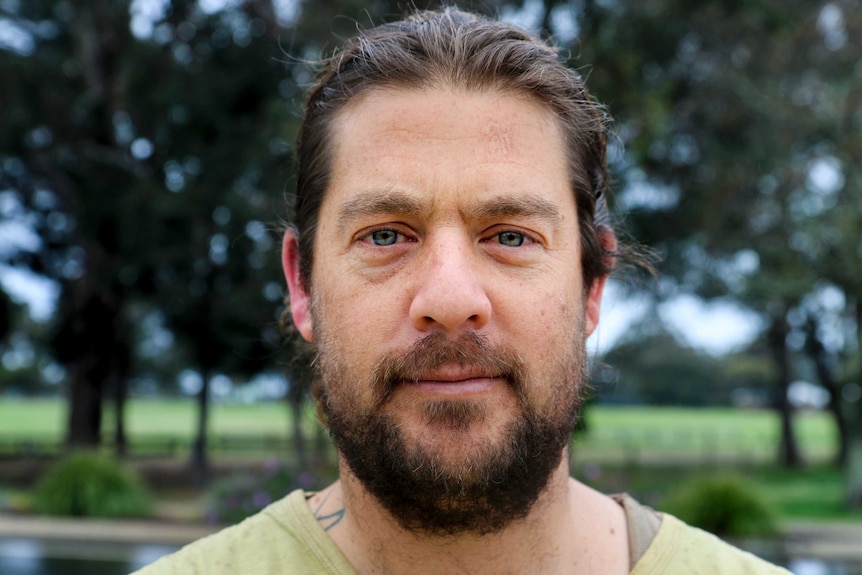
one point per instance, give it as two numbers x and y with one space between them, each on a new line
679 549
286 539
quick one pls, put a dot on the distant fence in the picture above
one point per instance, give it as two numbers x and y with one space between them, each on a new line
623 446
154 446
661 446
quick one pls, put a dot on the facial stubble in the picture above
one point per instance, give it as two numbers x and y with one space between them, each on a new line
421 486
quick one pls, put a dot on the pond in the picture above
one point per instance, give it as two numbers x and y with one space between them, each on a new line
25 556
820 567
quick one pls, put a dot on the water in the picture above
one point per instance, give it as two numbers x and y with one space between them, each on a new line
819 567
20 556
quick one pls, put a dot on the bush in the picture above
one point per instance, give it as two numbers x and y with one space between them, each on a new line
87 484
235 498
726 505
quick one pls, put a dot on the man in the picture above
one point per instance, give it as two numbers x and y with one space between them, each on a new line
451 245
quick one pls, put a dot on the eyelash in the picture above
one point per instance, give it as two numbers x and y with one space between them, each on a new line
526 238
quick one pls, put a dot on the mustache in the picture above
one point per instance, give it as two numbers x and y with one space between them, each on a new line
469 350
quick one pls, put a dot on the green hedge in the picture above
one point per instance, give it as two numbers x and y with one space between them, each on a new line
726 505
86 484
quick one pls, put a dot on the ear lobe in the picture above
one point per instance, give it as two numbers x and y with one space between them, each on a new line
594 296
300 299
594 305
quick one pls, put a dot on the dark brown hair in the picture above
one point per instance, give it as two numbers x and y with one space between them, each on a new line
451 48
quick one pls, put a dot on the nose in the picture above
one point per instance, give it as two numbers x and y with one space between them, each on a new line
450 293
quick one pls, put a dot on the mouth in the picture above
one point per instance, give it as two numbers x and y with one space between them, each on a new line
438 368
455 381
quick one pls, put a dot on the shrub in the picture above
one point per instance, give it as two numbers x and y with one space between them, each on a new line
235 498
86 484
726 505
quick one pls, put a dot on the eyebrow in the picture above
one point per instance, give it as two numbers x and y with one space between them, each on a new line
522 206
376 203
401 204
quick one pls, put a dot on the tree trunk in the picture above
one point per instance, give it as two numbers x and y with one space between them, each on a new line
299 377
120 393
122 367
85 344
818 354
6 313
200 460
84 423
788 453
853 473
296 398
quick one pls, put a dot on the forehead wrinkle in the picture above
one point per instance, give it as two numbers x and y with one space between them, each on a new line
378 203
516 206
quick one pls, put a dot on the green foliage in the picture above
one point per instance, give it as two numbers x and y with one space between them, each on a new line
87 484
235 498
654 368
726 505
815 492
812 493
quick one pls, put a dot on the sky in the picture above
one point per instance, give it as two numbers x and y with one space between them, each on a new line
715 327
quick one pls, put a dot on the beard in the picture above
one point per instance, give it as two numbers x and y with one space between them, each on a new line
424 488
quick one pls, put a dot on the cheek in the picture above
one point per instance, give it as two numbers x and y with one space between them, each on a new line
367 312
554 326
354 327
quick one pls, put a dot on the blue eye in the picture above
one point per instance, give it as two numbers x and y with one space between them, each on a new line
384 237
511 239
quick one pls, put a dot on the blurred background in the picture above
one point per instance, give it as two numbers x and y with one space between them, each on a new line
146 152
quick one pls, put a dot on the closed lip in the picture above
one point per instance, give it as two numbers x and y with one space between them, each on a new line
454 382
454 374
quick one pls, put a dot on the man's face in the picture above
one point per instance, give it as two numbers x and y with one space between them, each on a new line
447 304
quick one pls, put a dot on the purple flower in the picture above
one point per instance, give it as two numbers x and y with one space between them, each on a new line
261 499
271 466
306 479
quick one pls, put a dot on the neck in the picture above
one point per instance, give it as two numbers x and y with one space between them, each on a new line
570 529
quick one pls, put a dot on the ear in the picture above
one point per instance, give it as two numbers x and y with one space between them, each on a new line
300 299
594 304
594 295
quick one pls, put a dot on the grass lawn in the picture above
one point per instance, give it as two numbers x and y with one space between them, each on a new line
45 419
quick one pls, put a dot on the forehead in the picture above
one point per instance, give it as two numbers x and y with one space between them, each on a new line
448 114
448 146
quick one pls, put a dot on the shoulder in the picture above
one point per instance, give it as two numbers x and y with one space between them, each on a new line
283 538
680 548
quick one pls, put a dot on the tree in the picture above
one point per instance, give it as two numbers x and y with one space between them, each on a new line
68 167
726 111
655 369
140 163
